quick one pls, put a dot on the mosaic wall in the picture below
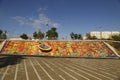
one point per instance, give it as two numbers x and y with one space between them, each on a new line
59 48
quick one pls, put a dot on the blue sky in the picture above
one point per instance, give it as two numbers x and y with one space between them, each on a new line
78 16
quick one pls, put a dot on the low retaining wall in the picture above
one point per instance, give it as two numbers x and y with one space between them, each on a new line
112 49
2 45
94 49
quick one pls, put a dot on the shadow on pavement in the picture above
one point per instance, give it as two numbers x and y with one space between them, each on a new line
10 60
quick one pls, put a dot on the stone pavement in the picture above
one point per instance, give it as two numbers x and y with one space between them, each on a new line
50 68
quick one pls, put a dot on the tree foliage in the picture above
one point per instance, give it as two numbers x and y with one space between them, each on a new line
72 35
79 36
52 34
88 36
75 36
35 35
116 37
38 35
24 36
3 34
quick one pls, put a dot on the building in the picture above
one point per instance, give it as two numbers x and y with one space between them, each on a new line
104 34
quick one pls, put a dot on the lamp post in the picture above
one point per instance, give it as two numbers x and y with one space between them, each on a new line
47 26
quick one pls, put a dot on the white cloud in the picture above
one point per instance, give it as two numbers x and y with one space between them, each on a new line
41 20
42 9
21 20
56 25
38 22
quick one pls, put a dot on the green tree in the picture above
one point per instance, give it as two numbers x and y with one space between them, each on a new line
75 36
93 37
72 35
35 35
40 34
116 37
52 34
24 36
49 34
1 31
79 36
55 35
88 36
3 35
53 29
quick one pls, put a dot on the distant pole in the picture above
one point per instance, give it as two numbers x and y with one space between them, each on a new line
47 26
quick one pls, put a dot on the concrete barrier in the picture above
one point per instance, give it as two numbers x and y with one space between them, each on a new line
2 45
112 49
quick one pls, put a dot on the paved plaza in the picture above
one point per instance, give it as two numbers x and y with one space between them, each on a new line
51 68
